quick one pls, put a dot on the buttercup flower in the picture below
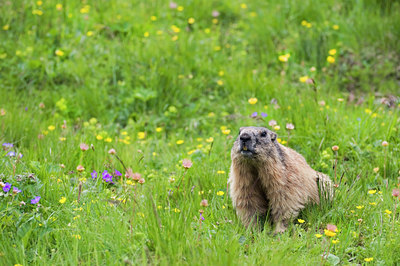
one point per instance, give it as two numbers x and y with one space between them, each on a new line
62 200
220 193
252 100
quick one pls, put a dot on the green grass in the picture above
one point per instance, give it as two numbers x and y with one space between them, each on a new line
134 75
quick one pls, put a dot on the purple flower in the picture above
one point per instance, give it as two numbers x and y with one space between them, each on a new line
11 154
117 173
215 13
35 200
20 155
8 145
202 217
254 114
264 114
7 187
94 174
106 176
26 108
16 190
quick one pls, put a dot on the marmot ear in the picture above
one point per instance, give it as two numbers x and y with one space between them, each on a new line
273 136
240 130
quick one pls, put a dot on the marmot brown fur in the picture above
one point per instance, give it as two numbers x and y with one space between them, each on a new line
267 177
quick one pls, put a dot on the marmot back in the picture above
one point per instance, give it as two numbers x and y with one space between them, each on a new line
266 176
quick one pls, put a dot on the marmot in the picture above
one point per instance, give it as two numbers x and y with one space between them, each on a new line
267 177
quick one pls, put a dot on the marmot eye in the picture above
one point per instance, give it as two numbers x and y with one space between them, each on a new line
263 134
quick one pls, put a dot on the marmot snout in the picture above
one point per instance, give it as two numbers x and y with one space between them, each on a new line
266 176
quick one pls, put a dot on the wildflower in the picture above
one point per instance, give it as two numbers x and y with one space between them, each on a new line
93 174
108 140
80 168
215 21
141 181
303 79
204 203
187 163
172 5
215 13
35 200
335 241
62 138
388 212
117 173
6 27
2 112
318 235
332 52
146 34
220 82
62 200
220 193
226 131
59 53
7 146
11 154
112 151
210 139
376 169
284 58
395 192
179 142
37 12
51 127
372 203
360 207
77 236
243 5
39 3
272 123
289 126
335 148
191 20
106 176
180 8
264 114
7 187
159 129
59 7
331 227
252 100
372 191
300 221
385 143
253 115
313 69
220 172
276 128
141 135
368 259
84 146
330 59
153 18
335 27
16 190
329 233
99 137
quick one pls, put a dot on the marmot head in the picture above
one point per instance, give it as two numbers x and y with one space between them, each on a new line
256 143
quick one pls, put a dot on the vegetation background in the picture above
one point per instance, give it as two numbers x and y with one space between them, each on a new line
94 86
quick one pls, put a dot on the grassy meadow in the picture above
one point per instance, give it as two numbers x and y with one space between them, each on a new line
117 119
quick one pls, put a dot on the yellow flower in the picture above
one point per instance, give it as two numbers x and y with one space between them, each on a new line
304 23
243 5
207 31
335 27
372 203
159 32
308 25
191 20
215 21
59 53
276 128
221 73
174 38
153 18
318 235
332 52
180 8
177 210
159 129
368 259
62 200
329 233
330 59
388 212
217 48
77 236
220 82
300 221
368 111
62 139
89 33
59 7
360 207
85 9
51 128
141 135
303 79
220 193
99 137
335 241
146 34
39 3
284 58
179 142
37 12
226 131
372 191
210 139
252 100
6 27
220 172
108 139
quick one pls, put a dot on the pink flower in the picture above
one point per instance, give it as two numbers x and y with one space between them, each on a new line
215 13
172 5
289 126
187 163
141 181
80 168
112 151
272 123
136 176
395 192
84 146
331 227
204 203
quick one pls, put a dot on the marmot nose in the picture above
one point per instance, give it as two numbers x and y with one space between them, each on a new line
245 137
